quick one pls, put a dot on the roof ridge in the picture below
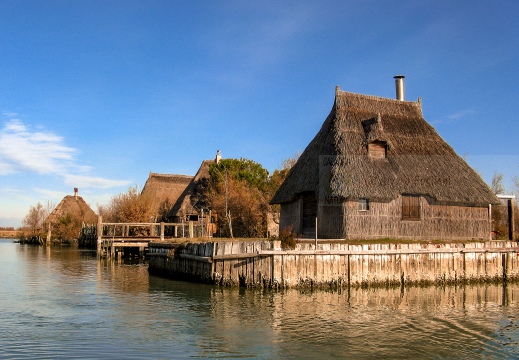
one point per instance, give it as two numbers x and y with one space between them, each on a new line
340 92
170 175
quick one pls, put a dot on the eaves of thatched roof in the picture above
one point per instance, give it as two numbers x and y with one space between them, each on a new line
418 160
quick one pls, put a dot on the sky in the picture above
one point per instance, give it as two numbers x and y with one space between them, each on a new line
98 94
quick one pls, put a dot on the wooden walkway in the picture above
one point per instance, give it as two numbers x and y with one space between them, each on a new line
130 239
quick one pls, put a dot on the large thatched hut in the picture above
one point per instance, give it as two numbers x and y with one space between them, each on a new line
377 169
164 190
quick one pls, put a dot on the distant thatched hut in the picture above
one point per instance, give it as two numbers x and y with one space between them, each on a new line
164 190
65 221
377 169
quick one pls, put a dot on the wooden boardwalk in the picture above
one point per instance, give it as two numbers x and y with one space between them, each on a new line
130 239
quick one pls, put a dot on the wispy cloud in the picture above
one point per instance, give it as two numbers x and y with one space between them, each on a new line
24 150
461 114
38 152
10 115
93 182
455 116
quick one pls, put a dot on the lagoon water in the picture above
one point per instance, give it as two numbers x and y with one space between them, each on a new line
62 302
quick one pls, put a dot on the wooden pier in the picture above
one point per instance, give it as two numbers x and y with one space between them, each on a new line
130 239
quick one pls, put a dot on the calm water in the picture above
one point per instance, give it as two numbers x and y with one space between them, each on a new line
64 303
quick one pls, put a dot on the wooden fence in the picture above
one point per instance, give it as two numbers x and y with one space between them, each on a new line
265 264
114 239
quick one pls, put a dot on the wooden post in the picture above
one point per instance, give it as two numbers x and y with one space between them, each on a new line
191 230
202 222
213 264
316 233
490 220
210 225
48 235
162 231
99 234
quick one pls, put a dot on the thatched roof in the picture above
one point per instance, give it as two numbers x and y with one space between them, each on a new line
418 160
76 207
183 205
165 186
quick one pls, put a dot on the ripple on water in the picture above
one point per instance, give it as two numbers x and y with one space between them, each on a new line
64 304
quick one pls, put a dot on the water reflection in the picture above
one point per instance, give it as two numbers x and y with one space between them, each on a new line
64 302
416 322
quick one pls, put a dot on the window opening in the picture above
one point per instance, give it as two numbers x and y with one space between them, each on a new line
363 204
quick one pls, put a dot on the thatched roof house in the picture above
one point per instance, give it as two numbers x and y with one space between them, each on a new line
74 206
165 189
66 220
185 208
377 169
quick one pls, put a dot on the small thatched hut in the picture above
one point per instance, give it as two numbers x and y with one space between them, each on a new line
377 169
65 221
164 190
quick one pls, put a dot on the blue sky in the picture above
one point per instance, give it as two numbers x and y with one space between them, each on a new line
96 94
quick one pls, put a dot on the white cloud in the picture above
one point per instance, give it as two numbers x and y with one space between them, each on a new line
23 150
38 152
93 182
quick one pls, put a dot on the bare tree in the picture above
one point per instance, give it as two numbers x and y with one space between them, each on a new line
497 184
49 207
34 219
131 206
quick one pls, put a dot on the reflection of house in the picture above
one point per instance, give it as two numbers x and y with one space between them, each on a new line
165 190
377 169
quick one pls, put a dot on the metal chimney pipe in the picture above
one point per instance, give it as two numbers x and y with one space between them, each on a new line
399 83
75 192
